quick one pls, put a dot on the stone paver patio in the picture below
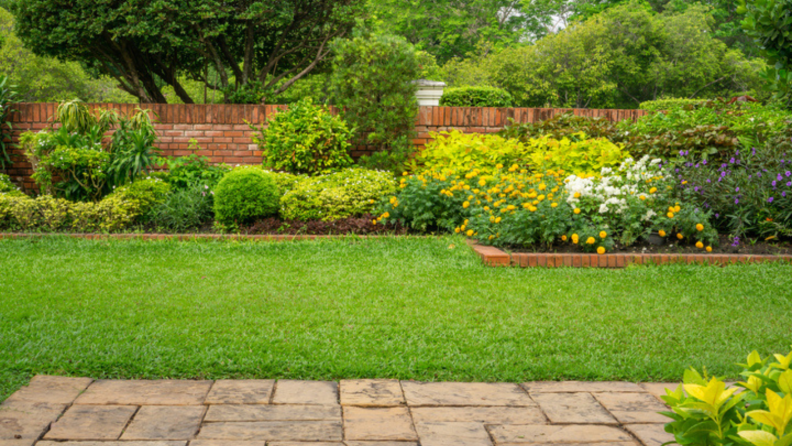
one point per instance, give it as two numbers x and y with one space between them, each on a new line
57 411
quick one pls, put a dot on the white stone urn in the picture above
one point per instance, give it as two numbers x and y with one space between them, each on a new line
429 92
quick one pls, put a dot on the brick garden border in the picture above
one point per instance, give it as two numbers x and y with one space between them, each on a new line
495 257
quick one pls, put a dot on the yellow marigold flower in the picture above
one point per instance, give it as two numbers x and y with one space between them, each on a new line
374 221
677 209
699 245
526 205
469 233
642 197
504 210
603 234
576 211
482 182
457 230
499 166
371 201
591 240
498 220
404 174
492 219
540 197
563 238
652 190
542 186
466 221
709 248
575 238
466 187
511 207
386 215
486 208
661 233
554 205
601 250
403 185
670 215
465 205
532 209
577 195
699 227
490 237
680 236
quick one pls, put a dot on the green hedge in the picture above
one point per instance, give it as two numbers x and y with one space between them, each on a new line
669 104
476 97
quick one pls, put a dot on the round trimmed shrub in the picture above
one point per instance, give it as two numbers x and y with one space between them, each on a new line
244 195
476 97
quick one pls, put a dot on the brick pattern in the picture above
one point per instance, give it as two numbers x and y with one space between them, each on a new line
347 413
223 135
495 257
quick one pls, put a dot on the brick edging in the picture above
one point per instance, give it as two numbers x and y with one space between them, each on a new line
495 257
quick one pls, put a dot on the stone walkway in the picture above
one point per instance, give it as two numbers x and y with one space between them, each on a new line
56 411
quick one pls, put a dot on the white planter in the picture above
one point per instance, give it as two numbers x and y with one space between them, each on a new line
429 92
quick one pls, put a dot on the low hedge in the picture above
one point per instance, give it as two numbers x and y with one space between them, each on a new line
476 97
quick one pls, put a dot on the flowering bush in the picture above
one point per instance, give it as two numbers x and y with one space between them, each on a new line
705 412
350 192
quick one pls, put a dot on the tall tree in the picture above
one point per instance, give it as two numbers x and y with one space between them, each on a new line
145 44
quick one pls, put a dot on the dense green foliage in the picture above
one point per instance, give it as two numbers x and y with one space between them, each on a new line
184 172
6 186
7 96
624 56
475 97
372 83
185 209
408 308
145 45
769 22
305 139
348 193
668 104
244 195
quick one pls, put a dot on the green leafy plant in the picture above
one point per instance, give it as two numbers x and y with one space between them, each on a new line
7 96
372 84
769 23
581 157
565 125
669 104
306 138
6 186
459 151
395 160
183 210
476 97
351 192
244 195
184 172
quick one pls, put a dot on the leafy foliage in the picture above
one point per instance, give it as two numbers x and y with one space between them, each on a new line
372 82
7 96
185 209
458 151
244 195
670 103
349 193
770 24
6 186
476 97
184 172
584 156
306 138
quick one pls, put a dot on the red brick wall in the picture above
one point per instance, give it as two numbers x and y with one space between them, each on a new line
223 136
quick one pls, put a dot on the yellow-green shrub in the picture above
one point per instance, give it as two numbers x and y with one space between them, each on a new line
459 151
583 157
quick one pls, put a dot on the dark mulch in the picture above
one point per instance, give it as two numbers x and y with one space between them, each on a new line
673 246
352 225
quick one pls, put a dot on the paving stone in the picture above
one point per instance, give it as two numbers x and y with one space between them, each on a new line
370 443
633 407
453 434
22 421
227 443
554 434
113 443
658 389
488 415
164 392
650 434
465 394
609 443
323 393
372 423
165 423
273 430
581 386
91 423
371 392
17 442
572 408
273 413
51 389
300 443
246 391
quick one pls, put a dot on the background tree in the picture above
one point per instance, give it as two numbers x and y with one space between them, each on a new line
145 44
769 22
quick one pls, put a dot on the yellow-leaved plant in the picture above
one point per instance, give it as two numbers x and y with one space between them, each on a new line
584 156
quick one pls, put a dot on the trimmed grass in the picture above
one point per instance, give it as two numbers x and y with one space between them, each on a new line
396 308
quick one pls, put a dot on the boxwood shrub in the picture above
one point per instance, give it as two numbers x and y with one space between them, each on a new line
244 195
476 97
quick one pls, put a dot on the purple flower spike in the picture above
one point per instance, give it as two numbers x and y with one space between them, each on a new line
717 215
774 183
789 184
737 189
731 161
736 201
788 173
709 181
783 194
704 162
770 200
723 174
779 177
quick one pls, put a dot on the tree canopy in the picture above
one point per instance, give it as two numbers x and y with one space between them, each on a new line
146 44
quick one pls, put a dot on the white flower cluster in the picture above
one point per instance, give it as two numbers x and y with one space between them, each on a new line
612 188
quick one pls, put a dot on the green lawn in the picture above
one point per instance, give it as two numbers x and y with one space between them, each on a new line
400 308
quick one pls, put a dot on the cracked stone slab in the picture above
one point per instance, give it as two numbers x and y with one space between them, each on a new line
650 434
23 421
300 443
555 434
227 443
371 392
165 423
245 391
17 442
165 392
378 424
453 434
373 443
273 430
465 394
581 386
112 443
323 393
51 389
91 423
285 412
480 414
579 408
658 389
633 407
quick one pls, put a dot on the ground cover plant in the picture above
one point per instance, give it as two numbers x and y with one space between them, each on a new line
422 308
